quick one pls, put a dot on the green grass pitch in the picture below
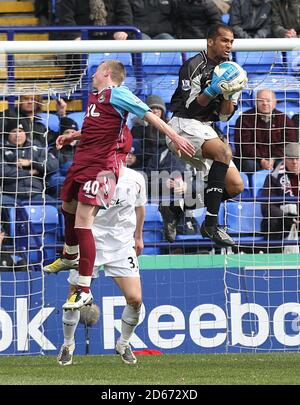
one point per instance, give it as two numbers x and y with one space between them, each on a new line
180 369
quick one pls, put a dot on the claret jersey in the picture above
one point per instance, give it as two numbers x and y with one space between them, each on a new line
103 125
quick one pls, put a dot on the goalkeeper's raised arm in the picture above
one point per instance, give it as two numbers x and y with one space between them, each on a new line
206 93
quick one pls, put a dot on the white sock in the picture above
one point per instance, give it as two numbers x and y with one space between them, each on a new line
70 321
130 319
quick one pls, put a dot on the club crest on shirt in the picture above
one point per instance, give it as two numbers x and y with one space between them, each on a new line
185 85
101 99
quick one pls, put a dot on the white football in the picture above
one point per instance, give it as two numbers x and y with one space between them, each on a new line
89 315
236 84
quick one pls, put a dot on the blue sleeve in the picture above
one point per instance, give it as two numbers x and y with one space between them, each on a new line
124 100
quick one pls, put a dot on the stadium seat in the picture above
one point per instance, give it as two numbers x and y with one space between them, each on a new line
243 220
52 119
131 83
286 87
156 63
153 227
292 59
43 222
164 86
260 62
31 226
290 108
247 190
258 179
96 58
188 55
78 117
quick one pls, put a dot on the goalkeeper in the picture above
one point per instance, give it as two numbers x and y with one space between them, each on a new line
197 102
116 230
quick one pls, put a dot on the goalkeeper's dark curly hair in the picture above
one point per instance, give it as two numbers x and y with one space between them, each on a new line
214 30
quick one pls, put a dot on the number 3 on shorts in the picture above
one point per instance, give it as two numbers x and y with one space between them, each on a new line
133 262
91 187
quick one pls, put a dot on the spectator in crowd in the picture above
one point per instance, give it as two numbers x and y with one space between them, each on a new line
9 261
166 174
286 18
251 18
41 8
155 18
23 165
27 111
97 13
223 5
283 182
147 138
260 134
194 17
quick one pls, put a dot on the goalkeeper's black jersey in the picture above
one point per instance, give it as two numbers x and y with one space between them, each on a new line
194 76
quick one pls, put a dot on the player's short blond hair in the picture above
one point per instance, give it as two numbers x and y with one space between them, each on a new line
118 71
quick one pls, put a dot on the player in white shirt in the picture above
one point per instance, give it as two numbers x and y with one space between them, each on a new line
118 237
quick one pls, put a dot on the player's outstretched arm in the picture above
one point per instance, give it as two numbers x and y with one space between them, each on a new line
179 142
63 140
138 235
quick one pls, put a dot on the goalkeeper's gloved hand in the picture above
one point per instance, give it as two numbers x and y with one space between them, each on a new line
233 88
215 88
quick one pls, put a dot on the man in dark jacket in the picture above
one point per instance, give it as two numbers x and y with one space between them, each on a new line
23 165
260 134
286 18
283 183
148 139
194 17
251 18
155 18
27 111
95 12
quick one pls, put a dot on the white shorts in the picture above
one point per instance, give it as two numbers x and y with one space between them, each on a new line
196 133
121 266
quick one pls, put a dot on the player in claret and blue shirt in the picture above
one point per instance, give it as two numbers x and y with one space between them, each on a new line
91 180
198 101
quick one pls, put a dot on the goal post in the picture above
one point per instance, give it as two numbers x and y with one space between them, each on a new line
255 301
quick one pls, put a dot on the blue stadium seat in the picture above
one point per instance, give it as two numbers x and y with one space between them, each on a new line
156 63
164 86
258 179
260 62
153 227
96 58
188 55
78 117
44 224
52 119
247 190
244 220
27 226
286 87
292 59
131 83
290 108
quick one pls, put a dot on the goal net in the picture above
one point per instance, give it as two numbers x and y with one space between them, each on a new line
240 299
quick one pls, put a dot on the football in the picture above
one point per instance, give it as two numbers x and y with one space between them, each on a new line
237 82
89 315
